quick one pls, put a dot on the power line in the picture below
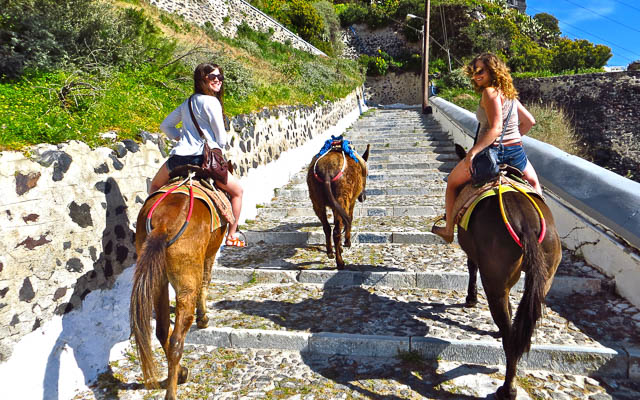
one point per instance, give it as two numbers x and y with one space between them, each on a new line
603 16
593 35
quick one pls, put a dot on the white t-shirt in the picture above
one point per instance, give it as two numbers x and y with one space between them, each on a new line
208 113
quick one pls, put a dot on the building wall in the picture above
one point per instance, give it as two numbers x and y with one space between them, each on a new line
604 109
226 15
68 212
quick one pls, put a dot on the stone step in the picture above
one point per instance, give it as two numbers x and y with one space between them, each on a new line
436 200
437 190
273 213
240 373
367 223
380 321
398 157
296 238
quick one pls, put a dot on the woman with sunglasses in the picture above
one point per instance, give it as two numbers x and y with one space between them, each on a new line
208 110
490 76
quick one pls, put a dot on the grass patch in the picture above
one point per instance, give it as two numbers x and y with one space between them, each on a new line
554 127
69 104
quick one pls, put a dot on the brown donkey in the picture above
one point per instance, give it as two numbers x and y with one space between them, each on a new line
492 250
186 265
337 186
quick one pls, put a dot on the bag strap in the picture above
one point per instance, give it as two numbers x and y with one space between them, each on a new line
504 128
193 118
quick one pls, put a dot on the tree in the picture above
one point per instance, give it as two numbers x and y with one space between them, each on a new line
548 22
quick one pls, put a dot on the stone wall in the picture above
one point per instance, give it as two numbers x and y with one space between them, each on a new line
604 109
226 15
67 212
388 39
394 88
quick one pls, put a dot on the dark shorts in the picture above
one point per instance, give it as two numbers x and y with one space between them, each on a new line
514 156
176 161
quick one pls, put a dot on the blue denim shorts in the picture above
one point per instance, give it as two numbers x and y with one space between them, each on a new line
514 156
176 161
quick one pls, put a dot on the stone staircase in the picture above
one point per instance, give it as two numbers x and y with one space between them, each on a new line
398 307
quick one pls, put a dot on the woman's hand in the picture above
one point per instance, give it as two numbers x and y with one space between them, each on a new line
468 160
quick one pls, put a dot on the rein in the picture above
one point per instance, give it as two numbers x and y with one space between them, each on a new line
186 222
514 235
335 178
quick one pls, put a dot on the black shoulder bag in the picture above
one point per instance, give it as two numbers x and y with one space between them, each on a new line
485 163
212 159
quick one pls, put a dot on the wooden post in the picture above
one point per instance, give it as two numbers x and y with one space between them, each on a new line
426 109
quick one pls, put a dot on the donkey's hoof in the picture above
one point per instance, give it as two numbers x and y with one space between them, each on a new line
183 375
506 394
471 302
340 266
331 255
347 243
203 322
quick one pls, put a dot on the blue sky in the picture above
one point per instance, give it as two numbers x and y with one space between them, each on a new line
613 23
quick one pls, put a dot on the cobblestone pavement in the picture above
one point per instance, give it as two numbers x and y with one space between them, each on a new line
387 290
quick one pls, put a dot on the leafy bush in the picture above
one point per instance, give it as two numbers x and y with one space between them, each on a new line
48 34
331 24
456 79
352 13
238 80
305 20
375 66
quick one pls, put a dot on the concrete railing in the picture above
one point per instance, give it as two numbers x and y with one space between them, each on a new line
597 212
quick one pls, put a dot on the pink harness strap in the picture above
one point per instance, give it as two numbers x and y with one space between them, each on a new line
335 178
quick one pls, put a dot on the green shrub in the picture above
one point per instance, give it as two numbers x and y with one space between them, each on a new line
238 80
49 34
331 23
352 13
456 79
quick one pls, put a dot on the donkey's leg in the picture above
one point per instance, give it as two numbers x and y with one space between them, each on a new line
501 313
321 212
472 289
337 233
202 319
347 233
185 307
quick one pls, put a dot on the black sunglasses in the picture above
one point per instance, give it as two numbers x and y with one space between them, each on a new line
478 72
213 76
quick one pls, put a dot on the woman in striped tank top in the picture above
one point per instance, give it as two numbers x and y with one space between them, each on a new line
490 76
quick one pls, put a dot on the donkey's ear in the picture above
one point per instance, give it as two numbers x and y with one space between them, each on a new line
365 156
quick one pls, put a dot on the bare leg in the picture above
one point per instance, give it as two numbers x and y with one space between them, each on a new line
161 178
235 190
459 176
531 176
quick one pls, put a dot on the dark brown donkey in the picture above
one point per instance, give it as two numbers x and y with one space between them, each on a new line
338 194
500 260
186 265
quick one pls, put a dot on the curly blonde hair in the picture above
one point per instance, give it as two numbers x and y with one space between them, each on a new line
500 76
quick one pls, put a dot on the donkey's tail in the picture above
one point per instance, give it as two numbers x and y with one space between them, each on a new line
150 268
334 203
530 307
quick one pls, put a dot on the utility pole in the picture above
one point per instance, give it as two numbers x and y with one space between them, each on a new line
426 109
